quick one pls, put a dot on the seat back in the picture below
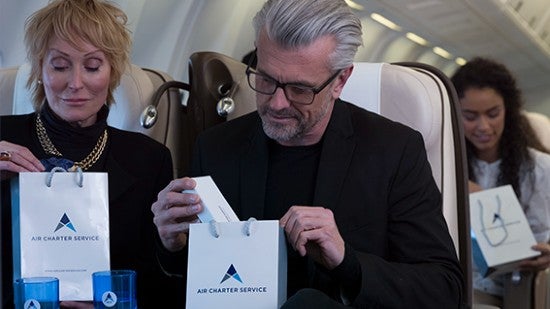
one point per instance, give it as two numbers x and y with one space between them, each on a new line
219 92
136 106
214 76
414 94
541 125
530 290
415 98
422 97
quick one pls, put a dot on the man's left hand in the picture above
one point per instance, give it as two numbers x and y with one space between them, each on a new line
313 231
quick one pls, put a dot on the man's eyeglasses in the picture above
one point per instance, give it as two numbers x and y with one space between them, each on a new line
295 93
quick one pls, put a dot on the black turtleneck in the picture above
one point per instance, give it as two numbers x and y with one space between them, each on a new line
75 143
291 179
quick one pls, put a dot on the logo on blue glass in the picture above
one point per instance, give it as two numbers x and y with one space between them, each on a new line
231 273
32 304
65 222
109 299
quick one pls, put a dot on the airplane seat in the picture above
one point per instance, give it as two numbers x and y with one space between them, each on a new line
219 89
7 86
527 289
219 92
137 106
541 125
422 97
415 94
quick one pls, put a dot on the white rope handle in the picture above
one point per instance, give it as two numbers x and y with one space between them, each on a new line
79 174
215 228
248 226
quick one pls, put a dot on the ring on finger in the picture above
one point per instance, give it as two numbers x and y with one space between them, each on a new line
5 155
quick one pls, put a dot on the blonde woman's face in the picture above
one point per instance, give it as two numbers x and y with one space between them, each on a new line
76 81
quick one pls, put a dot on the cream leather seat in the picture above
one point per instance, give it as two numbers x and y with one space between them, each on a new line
530 290
422 97
541 125
137 107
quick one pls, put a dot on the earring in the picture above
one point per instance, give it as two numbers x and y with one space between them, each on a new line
39 82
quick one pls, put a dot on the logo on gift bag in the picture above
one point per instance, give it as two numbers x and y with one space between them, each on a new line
65 222
219 275
231 273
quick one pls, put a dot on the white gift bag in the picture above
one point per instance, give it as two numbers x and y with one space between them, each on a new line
61 228
236 265
501 235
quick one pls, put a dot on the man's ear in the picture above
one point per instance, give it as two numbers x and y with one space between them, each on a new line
341 81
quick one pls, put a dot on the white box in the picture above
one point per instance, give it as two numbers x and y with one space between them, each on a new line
215 207
501 235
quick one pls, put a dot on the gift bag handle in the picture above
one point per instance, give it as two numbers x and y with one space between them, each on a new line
79 174
248 226
215 227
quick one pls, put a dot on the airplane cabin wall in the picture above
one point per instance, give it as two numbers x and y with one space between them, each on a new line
172 30
167 32
382 44
12 19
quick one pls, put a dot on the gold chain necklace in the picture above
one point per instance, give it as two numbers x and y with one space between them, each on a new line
49 147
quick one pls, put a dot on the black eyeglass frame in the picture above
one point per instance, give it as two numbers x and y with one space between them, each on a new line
315 91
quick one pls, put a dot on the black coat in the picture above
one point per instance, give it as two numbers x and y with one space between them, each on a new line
375 177
138 168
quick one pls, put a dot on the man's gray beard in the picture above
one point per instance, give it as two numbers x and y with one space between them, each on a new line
282 133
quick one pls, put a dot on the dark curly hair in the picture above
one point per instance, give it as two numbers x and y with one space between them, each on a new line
518 134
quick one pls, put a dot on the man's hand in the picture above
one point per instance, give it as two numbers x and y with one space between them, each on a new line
174 211
313 231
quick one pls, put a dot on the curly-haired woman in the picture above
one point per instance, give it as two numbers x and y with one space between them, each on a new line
502 149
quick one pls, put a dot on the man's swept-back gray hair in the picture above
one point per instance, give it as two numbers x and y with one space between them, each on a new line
298 23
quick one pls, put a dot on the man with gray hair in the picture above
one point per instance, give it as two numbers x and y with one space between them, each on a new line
353 191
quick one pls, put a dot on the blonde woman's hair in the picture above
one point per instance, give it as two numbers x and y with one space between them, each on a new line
97 22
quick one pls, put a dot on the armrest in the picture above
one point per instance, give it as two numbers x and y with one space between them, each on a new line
541 292
528 291
518 290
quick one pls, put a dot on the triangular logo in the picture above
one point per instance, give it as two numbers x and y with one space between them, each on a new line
109 298
65 221
231 273
32 304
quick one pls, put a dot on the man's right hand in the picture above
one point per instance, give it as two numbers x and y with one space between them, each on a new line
174 211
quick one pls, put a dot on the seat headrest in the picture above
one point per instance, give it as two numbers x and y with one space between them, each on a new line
403 95
131 97
7 85
541 125
364 85
132 105
398 93
22 99
214 76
